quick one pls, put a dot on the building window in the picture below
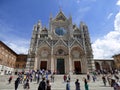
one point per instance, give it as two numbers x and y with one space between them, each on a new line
60 51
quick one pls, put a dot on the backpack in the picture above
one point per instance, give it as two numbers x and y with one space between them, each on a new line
41 85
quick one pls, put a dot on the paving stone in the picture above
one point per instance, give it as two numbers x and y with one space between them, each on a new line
58 85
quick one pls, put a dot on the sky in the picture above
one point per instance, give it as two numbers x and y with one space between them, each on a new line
17 18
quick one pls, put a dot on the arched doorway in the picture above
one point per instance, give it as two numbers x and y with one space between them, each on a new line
97 66
61 60
105 66
76 54
77 67
43 65
60 66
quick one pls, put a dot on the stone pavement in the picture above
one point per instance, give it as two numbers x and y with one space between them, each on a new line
58 85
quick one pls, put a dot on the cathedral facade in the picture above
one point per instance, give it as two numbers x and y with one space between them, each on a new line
61 48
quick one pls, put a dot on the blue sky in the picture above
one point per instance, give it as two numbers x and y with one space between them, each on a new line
17 18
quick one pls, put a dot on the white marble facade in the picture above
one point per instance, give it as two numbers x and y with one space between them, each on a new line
61 48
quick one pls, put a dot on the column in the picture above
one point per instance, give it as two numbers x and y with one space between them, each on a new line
84 65
52 61
36 64
70 63
100 65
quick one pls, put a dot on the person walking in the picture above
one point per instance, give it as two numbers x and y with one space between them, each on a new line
10 79
42 85
38 78
48 85
77 85
68 85
86 84
27 85
69 77
94 78
52 78
65 78
104 80
17 81
88 77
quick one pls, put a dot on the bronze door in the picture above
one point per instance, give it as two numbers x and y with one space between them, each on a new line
77 66
60 66
43 65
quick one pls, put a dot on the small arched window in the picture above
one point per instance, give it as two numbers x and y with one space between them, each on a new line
60 51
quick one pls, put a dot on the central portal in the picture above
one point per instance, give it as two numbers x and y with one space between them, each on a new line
60 66
77 66
43 65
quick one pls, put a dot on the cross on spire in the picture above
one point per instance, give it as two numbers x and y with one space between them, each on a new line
60 8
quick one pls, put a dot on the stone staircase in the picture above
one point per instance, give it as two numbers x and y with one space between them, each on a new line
58 84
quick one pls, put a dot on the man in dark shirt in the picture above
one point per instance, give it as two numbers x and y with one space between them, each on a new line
42 85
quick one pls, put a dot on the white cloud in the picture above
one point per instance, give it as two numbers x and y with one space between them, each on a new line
20 46
83 10
118 3
15 42
78 1
109 45
117 22
109 16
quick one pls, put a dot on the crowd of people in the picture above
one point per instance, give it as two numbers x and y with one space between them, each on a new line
44 77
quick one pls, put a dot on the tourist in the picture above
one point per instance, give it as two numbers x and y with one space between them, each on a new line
112 81
116 86
109 79
38 78
24 78
69 77
52 77
88 77
46 75
48 85
31 77
42 85
94 78
77 84
104 80
116 77
68 85
65 78
27 85
86 84
10 79
17 81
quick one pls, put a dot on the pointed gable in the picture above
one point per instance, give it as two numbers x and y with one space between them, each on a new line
60 42
60 16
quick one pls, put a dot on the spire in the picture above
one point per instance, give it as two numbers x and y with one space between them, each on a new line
35 28
60 8
70 18
39 23
82 23
50 16
60 16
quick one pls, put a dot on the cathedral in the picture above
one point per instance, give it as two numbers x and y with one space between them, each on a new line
63 47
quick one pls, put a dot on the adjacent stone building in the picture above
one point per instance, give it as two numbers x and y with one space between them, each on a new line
63 47
20 63
117 61
7 59
104 64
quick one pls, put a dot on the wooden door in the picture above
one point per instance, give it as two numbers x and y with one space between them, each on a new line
60 66
43 65
77 66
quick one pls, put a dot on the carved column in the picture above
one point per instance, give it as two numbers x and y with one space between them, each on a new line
36 64
84 65
52 61
70 62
